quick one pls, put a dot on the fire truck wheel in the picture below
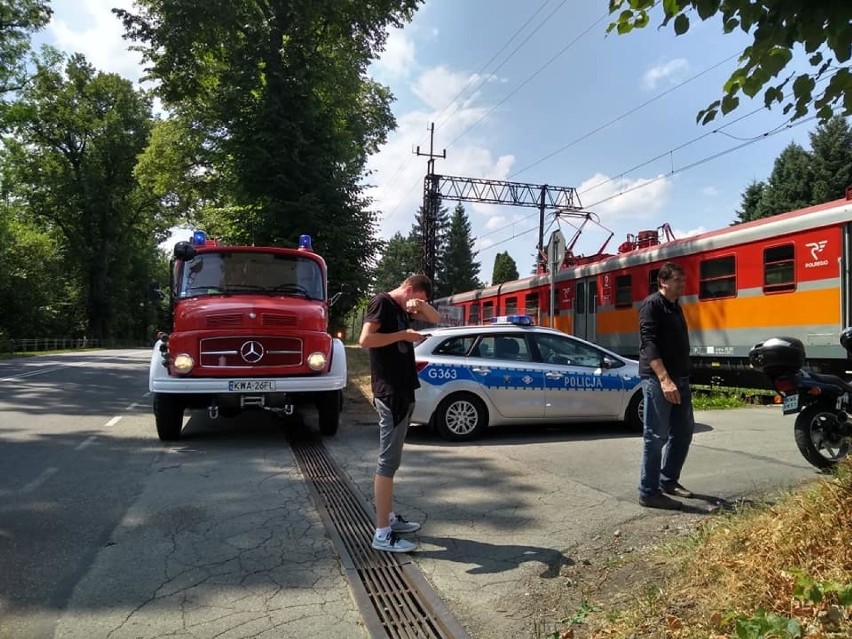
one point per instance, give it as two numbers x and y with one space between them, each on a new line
328 409
168 413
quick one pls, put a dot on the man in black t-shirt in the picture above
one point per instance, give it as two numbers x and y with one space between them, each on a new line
387 333
664 369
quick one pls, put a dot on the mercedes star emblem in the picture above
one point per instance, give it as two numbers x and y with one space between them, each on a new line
251 351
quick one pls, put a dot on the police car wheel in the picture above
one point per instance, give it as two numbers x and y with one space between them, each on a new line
633 415
461 417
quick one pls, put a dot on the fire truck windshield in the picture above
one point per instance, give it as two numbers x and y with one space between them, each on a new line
234 273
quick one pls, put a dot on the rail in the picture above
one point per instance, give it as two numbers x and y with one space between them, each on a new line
36 344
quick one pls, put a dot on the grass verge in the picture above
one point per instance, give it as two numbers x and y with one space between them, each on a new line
779 571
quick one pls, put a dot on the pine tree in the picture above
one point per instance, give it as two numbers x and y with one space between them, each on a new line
751 202
459 271
400 258
790 186
831 150
505 269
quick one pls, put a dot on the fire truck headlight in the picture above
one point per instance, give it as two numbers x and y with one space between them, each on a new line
317 361
183 363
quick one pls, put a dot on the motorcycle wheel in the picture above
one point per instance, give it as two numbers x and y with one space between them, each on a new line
816 436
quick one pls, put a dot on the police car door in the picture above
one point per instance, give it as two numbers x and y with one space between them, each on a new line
502 365
577 385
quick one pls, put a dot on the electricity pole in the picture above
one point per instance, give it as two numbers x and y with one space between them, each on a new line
431 204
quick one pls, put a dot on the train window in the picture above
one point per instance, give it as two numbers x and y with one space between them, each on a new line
623 291
717 278
511 305
487 311
474 313
531 305
778 269
653 281
580 301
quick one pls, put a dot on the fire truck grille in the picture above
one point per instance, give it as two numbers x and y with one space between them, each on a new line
250 352
273 319
224 321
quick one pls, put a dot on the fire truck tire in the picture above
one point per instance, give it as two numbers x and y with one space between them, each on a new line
168 413
328 410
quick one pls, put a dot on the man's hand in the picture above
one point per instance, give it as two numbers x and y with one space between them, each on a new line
670 391
410 335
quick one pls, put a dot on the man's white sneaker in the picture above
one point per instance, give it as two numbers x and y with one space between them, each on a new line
393 543
401 525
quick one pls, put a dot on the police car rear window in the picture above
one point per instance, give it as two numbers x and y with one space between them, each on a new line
455 346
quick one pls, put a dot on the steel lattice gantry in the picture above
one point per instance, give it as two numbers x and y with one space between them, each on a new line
462 189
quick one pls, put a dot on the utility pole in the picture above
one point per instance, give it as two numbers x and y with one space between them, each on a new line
431 204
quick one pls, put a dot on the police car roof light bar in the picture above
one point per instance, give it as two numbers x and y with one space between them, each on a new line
518 320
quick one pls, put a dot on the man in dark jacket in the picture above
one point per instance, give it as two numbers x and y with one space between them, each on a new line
664 368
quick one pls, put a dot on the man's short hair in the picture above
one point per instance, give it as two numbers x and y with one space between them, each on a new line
669 270
419 283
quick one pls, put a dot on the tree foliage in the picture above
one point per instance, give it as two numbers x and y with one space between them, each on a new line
801 178
75 135
822 27
505 269
285 117
19 19
459 272
400 258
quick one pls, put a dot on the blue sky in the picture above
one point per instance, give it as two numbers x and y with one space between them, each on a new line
538 92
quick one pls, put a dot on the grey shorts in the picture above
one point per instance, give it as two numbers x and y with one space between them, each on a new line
391 436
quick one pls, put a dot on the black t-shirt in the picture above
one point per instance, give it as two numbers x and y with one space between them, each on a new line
663 334
392 369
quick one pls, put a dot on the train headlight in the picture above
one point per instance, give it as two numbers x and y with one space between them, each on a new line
183 363
317 361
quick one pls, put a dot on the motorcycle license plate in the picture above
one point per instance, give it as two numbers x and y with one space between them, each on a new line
791 404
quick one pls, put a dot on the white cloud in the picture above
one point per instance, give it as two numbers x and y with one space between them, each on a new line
670 72
710 191
622 198
397 60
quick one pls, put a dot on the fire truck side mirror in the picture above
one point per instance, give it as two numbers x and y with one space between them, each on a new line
184 251
155 293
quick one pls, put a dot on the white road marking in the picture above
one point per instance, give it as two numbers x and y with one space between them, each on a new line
113 421
85 443
38 481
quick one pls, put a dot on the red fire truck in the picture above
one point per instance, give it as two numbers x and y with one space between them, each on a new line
250 331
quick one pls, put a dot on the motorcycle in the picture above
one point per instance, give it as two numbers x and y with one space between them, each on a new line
823 428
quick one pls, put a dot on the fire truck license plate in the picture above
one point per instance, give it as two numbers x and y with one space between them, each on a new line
251 385
791 404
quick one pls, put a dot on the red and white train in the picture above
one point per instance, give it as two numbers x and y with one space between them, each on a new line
784 275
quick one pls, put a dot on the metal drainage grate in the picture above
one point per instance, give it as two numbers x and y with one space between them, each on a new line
394 598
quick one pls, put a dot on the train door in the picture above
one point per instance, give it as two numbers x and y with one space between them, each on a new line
585 308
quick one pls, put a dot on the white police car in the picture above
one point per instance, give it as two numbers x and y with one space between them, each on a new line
513 372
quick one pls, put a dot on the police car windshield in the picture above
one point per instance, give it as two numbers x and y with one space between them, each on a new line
235 273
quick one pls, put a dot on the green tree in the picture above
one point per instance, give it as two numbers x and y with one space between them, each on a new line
400 258
749 209
831 151
417 235
460 271
505 269
823 28
75 137
19 19
286 115
790 185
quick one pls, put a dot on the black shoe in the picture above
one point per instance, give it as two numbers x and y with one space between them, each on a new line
659 500
674 488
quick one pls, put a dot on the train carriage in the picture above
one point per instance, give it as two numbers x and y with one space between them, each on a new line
784 275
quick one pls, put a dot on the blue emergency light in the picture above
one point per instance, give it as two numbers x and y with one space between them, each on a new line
518 320
199 238
305 243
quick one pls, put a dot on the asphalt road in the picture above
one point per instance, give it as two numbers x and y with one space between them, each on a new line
106 532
